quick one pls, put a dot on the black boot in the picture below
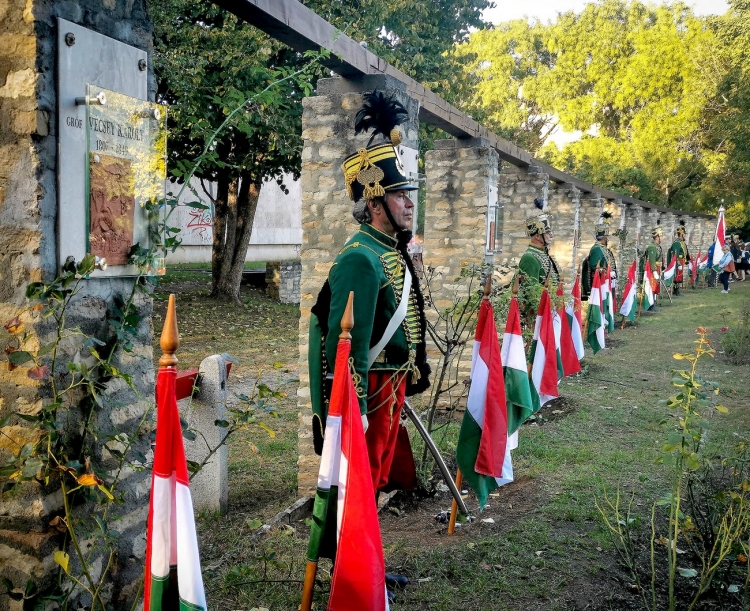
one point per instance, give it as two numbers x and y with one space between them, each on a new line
394 581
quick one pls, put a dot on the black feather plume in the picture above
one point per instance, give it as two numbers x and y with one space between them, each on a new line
606 215
380 113
682 222
539 203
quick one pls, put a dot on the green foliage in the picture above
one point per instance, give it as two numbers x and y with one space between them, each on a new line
708 505
736 339
412 35
659 95
66 447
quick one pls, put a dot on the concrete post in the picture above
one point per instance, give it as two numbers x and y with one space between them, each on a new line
209 487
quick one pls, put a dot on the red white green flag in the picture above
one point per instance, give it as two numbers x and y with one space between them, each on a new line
573 310
544 356
694 268
668 275
607 302
518 391
594 317
648 291
173 567
344 514
629 301
719 238
482 441
568 353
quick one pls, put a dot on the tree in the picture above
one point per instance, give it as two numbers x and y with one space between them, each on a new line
627 74
727 114
207 64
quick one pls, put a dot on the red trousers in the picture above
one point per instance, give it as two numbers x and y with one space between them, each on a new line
386 400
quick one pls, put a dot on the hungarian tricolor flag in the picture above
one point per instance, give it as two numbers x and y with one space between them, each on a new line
483 438
648 293
694 268
719 238
344 514
573 311
173 567
629 302
567 349
608 301
668 275
594 317
518 392
544 357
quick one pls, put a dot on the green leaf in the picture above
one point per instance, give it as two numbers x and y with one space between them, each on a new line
254 523
31 467
19 357
721 409
687 572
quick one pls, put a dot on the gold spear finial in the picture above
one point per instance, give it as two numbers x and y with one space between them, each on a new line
487 287
347 320
170 336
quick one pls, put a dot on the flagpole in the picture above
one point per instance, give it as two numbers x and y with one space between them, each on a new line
459 476
454 505
311 569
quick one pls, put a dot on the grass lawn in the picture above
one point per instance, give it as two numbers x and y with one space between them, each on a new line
542 544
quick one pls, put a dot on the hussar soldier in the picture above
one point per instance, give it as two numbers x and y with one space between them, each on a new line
388 355
536 262
655 257
600 257
679 248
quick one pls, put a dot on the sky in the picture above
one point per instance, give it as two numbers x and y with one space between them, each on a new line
546 10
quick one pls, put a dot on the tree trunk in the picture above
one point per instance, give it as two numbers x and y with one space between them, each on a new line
235 206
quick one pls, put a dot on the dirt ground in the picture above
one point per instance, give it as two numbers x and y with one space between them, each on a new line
567 565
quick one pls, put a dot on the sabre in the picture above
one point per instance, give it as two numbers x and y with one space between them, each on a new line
419 425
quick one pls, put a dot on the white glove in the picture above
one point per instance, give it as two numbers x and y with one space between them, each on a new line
365 424
656 275
679 267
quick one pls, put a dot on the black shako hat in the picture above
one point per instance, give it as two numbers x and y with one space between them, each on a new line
538 223
602 225
373 170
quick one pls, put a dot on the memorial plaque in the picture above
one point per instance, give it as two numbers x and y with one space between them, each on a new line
126 171
85 57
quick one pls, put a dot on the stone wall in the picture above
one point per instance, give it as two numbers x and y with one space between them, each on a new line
28 214
283 281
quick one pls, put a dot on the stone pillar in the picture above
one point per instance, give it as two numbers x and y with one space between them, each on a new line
517 188
283 280
669 225
564 205
592 205
328 134
630 223
209 487
461 177
28 243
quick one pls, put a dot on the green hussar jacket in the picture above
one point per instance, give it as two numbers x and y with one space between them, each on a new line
536 263
680 249
654 255
598 255
370 265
